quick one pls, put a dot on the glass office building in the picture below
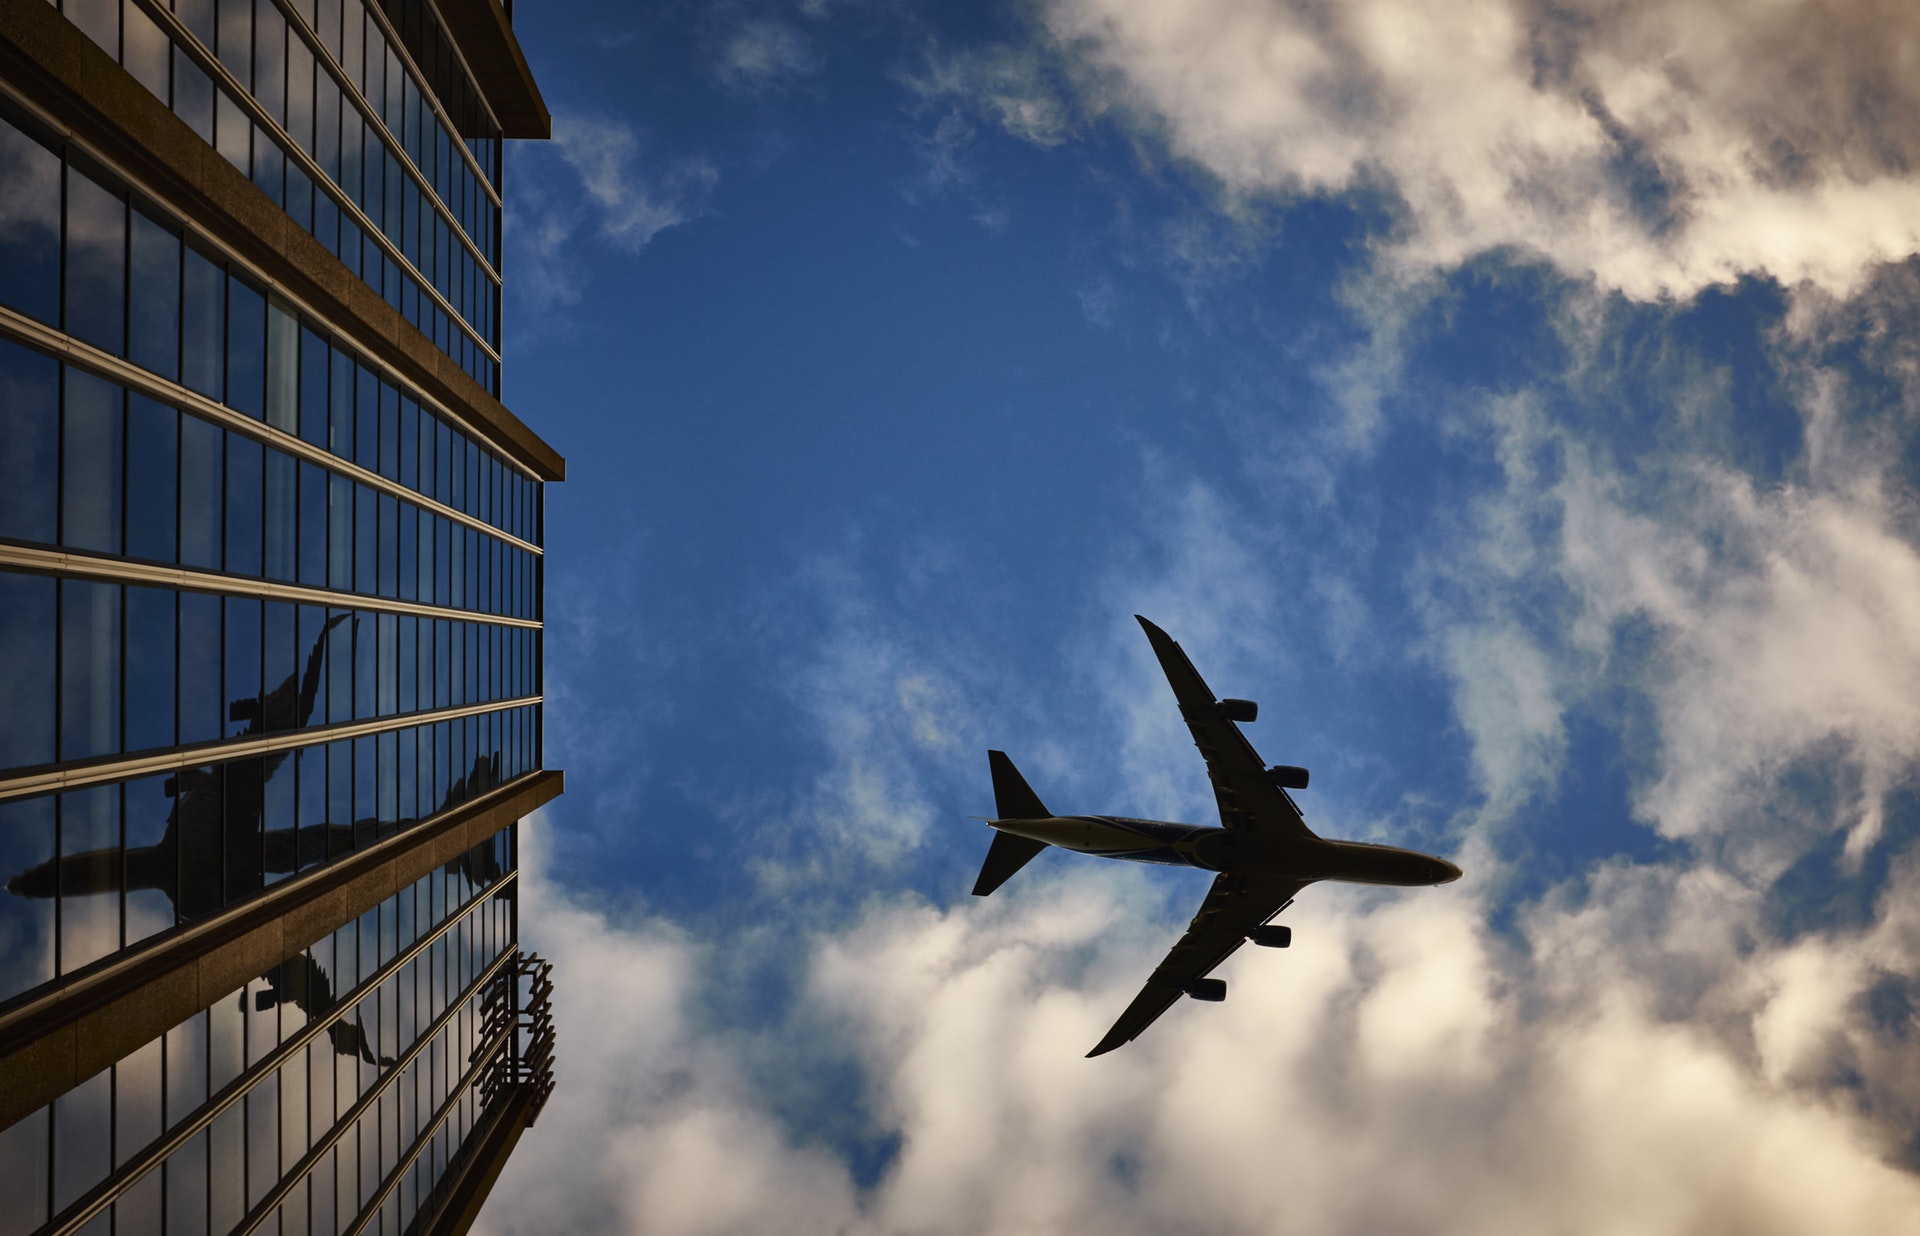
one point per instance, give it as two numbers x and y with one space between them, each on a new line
270 619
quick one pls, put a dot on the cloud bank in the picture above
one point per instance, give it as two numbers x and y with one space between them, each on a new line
1654 147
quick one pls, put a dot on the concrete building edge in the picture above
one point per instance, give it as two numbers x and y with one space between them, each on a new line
480 1169
484 36
57 1041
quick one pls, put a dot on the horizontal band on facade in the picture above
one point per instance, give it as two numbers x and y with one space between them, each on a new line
58 74
133 1170
78 1026
71 565
37 334
80 776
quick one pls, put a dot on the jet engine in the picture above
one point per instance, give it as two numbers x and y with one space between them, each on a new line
1288 776
1272 937
1239 710
1214 990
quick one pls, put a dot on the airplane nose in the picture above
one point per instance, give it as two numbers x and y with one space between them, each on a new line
1445 872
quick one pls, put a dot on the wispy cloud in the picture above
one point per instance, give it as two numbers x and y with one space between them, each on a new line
596 182
765 52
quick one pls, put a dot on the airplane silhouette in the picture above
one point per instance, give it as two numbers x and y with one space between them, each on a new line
214 841
303 982
1263 850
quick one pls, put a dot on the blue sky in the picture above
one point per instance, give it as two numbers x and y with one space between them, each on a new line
1517 400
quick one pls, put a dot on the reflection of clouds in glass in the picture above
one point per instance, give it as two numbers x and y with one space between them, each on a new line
29 209
26 923
81 1127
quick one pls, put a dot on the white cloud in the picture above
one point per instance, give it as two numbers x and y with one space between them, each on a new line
1656 147
764 52
635 205
1397 1069
608 191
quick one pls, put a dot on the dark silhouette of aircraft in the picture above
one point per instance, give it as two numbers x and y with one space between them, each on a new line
214 846
1264 852
302 982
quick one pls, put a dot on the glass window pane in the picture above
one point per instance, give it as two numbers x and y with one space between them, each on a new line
186 1052
312 805
408 535
147 48
26 915
154 296
202 712
227 1170
150 667
269 61
29 449
234 42
80 1133
30 239
202 809
340 673
365 540
313 525
186 1184
26 671
279 550
300 68
311 645
96 262
91 462
243 507
242 666
153 446
389 548
283 369
314 354
89 669
192 93
246 793
340 398
326 124
137 1211
202 464
151 860
203 325
366 450
279 807
246 349
365 643
136 1102
89 875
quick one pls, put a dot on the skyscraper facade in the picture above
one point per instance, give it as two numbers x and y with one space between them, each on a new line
270 619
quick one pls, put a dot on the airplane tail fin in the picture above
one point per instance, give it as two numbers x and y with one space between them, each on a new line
1005 856
1013 799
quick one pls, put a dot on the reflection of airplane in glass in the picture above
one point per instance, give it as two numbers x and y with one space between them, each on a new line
300 981
1264 851
213 839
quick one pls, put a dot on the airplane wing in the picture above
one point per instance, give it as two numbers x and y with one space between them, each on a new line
1235 905
1247 796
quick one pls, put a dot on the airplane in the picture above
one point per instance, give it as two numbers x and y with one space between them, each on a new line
1263 851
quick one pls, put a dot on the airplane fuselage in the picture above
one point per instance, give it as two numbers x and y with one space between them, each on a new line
1212 848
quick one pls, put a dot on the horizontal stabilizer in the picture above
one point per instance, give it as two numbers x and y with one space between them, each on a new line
1005 856
1013 798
